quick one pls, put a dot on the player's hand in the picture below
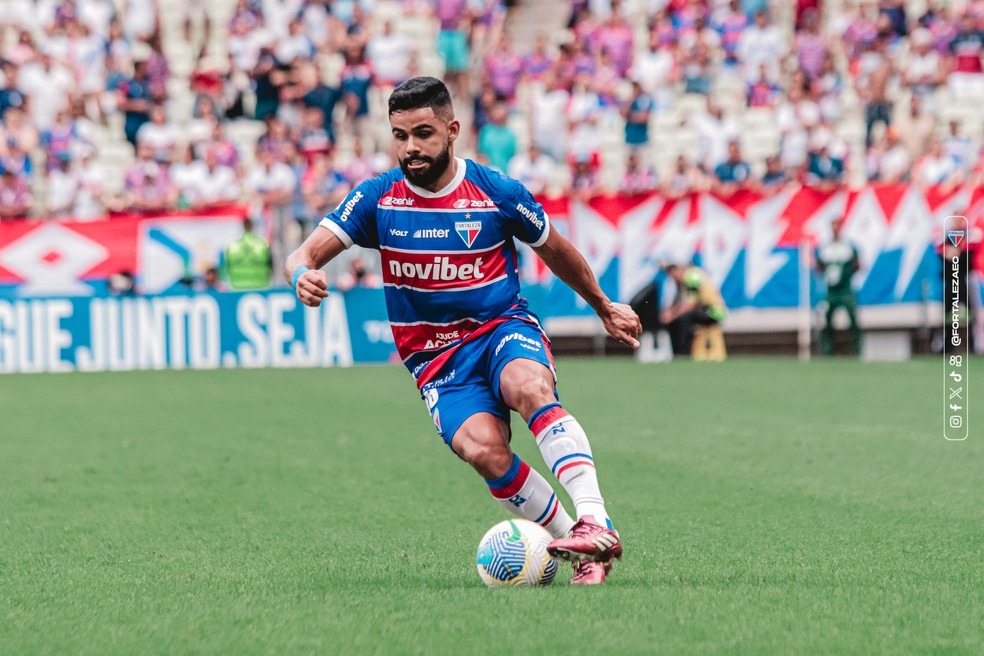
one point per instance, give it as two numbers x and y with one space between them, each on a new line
622 323
312 287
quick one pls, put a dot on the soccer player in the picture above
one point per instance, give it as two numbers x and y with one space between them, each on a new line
444 227
838 261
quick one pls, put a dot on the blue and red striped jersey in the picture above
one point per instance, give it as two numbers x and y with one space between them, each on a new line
448 257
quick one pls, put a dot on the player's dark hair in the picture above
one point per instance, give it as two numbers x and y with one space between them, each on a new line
419 92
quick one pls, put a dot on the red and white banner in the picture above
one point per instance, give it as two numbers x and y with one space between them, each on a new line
745 242
47 258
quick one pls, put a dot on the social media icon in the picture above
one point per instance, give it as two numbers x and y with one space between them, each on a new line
956 421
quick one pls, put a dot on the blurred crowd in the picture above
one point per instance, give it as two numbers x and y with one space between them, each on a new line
73 71
316 73
799 78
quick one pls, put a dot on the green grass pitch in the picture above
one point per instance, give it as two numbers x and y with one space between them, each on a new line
767 507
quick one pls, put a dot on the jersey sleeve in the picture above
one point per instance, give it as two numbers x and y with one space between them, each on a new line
525 217
354 220
522 216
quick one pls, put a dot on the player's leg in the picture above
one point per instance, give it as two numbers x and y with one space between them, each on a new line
851 307
527 386
520 370
483 442
473 423
827 334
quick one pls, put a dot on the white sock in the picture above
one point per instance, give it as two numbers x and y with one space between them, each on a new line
646 352
664 348
524 492
566 451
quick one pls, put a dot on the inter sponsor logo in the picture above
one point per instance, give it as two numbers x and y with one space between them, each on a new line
431 233
441 269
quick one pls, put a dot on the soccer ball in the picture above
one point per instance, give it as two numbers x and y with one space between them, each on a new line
514 552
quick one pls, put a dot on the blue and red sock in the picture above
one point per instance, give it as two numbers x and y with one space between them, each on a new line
524 492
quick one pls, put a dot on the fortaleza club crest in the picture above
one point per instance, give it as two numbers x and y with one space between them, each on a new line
468 231
955 237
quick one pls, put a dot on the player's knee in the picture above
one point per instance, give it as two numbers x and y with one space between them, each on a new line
527 388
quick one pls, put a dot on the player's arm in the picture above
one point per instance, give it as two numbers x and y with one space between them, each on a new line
351 223
317 250
569 265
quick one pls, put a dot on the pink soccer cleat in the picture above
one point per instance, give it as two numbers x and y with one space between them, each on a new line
590 573
589 541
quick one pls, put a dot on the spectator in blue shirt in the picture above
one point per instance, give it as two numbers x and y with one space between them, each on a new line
637 112
497 141
733 173
135 101
823 171
10 96
775 176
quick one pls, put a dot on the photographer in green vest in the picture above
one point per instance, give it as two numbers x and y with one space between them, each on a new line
247 260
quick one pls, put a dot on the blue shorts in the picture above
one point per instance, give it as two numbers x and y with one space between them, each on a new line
469 382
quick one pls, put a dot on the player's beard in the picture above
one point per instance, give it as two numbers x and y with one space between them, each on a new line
435 169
